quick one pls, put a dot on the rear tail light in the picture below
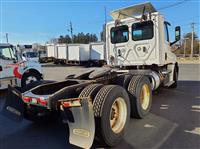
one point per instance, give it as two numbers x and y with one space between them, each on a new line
73 103
27 99
42 101
66 104
33 100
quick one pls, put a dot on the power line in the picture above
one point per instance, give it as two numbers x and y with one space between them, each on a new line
173 5
187 19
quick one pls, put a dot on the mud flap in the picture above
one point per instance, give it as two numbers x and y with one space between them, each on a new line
13 107
81 124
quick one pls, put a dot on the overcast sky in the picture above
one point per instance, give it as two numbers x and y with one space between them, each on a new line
34 21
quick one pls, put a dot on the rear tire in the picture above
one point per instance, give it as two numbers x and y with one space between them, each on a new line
140 95
90 91
112 113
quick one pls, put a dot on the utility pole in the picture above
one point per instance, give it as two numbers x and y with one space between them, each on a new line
7 37
192 40
104 26
185 42
71 31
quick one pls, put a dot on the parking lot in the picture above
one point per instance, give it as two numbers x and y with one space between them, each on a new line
173 122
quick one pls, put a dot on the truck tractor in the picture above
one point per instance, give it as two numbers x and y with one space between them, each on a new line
15 71
98 104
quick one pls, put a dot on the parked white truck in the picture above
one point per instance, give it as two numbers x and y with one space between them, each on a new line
30 56
99 103
14 71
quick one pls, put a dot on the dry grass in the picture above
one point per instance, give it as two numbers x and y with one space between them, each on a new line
189 60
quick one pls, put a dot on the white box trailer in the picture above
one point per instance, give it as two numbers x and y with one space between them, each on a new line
92 54
62 53
51 52
78 53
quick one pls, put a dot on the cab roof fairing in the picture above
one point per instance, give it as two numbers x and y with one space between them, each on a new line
133 11
131 19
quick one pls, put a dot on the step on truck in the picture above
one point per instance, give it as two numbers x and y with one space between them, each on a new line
97 104
14 70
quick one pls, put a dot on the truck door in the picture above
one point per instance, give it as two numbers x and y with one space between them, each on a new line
119 39
142 42
168 56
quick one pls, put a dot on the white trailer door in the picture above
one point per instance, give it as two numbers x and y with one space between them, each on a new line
62 52
84 52
51 51
74 52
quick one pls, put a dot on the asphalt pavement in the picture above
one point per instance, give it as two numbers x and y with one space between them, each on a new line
173 122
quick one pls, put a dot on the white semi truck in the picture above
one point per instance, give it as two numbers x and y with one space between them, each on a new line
99 103
15 71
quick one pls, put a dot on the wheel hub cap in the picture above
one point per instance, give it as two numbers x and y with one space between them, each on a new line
145 96
118 115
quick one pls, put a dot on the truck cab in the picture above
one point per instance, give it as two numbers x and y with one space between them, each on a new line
15 71
31 56
138 37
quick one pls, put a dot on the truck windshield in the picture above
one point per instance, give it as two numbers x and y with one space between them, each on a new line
142 31
7 53
32 54
119 34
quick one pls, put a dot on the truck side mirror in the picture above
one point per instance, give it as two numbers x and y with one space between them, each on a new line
177 33
1 69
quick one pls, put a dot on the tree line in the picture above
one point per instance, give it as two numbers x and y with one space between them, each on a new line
185 43
83 38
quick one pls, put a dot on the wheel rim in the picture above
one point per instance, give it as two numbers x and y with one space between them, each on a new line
145 97
30 79
118 115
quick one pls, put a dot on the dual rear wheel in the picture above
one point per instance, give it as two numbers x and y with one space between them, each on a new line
113 105
111 108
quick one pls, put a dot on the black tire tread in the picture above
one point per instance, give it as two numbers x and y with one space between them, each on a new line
132 90
103 132
133 84
88 90
99 99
